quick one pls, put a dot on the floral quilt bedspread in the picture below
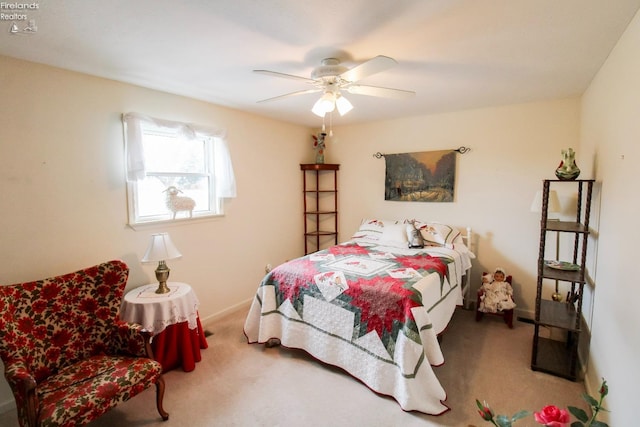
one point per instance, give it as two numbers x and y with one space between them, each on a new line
372 312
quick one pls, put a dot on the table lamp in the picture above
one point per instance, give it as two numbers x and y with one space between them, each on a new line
554 202
161 248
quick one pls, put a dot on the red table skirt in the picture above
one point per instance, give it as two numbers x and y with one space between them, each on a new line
178 345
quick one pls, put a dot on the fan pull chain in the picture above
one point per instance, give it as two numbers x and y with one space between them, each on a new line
324 127
331 124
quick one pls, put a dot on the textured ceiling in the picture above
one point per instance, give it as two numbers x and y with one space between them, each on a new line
455 54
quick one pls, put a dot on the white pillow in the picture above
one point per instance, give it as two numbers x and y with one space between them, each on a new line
370 230
394 234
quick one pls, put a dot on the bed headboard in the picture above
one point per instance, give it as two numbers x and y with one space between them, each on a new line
467 238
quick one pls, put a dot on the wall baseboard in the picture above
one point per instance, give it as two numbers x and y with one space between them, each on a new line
524 315
206 321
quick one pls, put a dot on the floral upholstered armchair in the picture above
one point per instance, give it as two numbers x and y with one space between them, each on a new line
68 358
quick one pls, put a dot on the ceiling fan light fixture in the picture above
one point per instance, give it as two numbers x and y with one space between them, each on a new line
324 105
343 105
331 78
318 108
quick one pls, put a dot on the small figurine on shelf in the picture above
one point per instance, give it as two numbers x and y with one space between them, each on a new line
498 293
318 145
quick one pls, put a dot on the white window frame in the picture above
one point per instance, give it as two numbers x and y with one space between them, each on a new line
139 133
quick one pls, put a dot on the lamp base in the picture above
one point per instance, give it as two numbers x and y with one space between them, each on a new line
162 288
162 274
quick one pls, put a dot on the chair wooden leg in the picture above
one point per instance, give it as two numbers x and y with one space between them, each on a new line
478 312
508 318
159 397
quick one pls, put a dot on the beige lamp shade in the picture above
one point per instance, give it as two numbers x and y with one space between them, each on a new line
554 202
161 248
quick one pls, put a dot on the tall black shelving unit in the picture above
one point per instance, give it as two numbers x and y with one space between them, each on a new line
552 355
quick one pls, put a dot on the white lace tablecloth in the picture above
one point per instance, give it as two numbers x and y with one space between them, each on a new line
157 311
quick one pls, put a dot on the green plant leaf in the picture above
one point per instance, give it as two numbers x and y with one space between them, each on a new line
590 400
503 421
577 424
518 415
599 424
579 414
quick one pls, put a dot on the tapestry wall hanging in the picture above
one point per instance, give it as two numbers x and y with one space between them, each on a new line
427 176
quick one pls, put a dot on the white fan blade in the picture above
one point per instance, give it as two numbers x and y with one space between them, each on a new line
300 92
383 92
283 75
372 66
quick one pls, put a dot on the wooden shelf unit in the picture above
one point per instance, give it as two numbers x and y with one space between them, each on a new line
320 195
553 356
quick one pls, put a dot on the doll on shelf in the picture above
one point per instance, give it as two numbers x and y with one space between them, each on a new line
497 292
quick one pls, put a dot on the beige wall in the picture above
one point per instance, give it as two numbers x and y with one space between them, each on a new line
513 149
610 147
64 195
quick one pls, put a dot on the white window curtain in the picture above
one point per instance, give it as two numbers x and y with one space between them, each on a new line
133 123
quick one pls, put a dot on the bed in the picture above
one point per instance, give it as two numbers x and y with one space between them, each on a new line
371 306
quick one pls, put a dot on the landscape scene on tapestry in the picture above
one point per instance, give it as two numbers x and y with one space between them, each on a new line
427 176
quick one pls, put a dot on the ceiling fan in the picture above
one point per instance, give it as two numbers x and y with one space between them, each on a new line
331 78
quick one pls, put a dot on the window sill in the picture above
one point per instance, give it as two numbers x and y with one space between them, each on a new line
173 222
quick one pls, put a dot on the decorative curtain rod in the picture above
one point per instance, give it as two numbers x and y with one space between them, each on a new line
461 150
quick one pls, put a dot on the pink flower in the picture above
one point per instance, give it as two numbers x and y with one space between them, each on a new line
486 414
552 416
485 411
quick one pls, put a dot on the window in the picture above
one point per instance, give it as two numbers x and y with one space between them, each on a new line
175 171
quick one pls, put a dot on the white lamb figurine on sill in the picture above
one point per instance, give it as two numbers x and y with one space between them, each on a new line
177 203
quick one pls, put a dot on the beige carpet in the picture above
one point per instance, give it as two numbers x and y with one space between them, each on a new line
237 384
